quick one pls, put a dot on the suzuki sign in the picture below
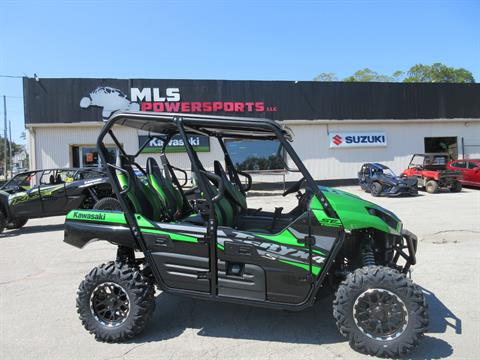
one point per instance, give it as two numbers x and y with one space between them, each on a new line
357 139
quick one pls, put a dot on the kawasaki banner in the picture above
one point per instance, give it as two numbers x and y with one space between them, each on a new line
357 139
199 143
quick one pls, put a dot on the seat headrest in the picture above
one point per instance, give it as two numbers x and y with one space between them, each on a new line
152 165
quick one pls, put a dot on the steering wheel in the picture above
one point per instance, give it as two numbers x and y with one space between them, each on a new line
294 188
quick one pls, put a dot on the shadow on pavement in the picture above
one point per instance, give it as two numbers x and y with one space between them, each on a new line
173 315
316 326
32 230
440 316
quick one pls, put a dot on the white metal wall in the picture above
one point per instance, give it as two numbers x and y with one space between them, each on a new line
403 139
52 146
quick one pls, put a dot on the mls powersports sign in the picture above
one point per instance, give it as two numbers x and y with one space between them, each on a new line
176 144
357 139
73 100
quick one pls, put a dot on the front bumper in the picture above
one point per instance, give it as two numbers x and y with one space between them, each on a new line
407 250
402 189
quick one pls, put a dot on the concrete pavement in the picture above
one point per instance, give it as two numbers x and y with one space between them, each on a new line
39 275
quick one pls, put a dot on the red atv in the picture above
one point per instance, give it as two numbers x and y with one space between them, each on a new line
432 174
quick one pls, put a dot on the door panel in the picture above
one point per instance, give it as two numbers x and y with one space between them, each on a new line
181 259
54 199
26 203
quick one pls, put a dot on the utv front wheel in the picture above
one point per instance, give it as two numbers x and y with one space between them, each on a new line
115 302
376 189
17 223
380 311
108 203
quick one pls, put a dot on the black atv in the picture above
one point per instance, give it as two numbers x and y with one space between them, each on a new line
50 192
380 180
208 244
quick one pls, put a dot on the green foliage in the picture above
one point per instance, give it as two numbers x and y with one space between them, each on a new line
368 75
418 73
326 77
438 73
273 162
15 149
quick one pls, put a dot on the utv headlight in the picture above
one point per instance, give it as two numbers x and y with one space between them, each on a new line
389 220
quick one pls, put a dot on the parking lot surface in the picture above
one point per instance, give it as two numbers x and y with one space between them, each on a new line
39 275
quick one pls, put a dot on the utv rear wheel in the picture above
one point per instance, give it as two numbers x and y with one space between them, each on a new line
17 223
431 186
108 203
376 189
456 187
115 302
380 311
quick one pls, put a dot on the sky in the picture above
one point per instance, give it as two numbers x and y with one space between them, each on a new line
243 40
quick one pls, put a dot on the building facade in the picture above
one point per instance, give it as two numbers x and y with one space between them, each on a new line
337 126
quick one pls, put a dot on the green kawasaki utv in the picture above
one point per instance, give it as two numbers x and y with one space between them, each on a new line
208 244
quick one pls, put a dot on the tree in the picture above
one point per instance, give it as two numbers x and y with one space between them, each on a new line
326 77
438 73
368 75
418 73
15 149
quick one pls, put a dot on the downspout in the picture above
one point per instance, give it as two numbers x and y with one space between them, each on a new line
32 159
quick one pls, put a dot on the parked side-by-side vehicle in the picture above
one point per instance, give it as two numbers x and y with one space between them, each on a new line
208 243
50 192
432 173
379 180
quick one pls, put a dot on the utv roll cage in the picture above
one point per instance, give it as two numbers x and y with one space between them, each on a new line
164 126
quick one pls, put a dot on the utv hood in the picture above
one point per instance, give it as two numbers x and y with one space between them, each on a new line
356 213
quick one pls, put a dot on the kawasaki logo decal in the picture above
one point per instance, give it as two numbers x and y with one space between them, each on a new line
88 216
100 216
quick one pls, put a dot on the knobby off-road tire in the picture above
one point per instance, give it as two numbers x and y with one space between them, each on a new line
108 203
3 221
395 297
17 223
115 302
376 189
431 186
456 187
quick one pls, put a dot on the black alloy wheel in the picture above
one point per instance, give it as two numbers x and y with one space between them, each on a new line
380 314
110 304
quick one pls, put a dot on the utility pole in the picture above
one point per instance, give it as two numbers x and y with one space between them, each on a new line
5 136
11 145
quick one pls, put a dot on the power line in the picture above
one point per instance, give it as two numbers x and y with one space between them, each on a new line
11 76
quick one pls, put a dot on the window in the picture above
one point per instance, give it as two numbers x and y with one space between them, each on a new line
439 160
472 165
87 156
459 164
255 155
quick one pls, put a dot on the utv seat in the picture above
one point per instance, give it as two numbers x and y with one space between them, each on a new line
170 196
236 197
142 197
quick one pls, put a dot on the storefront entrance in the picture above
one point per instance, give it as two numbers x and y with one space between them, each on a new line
442 145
